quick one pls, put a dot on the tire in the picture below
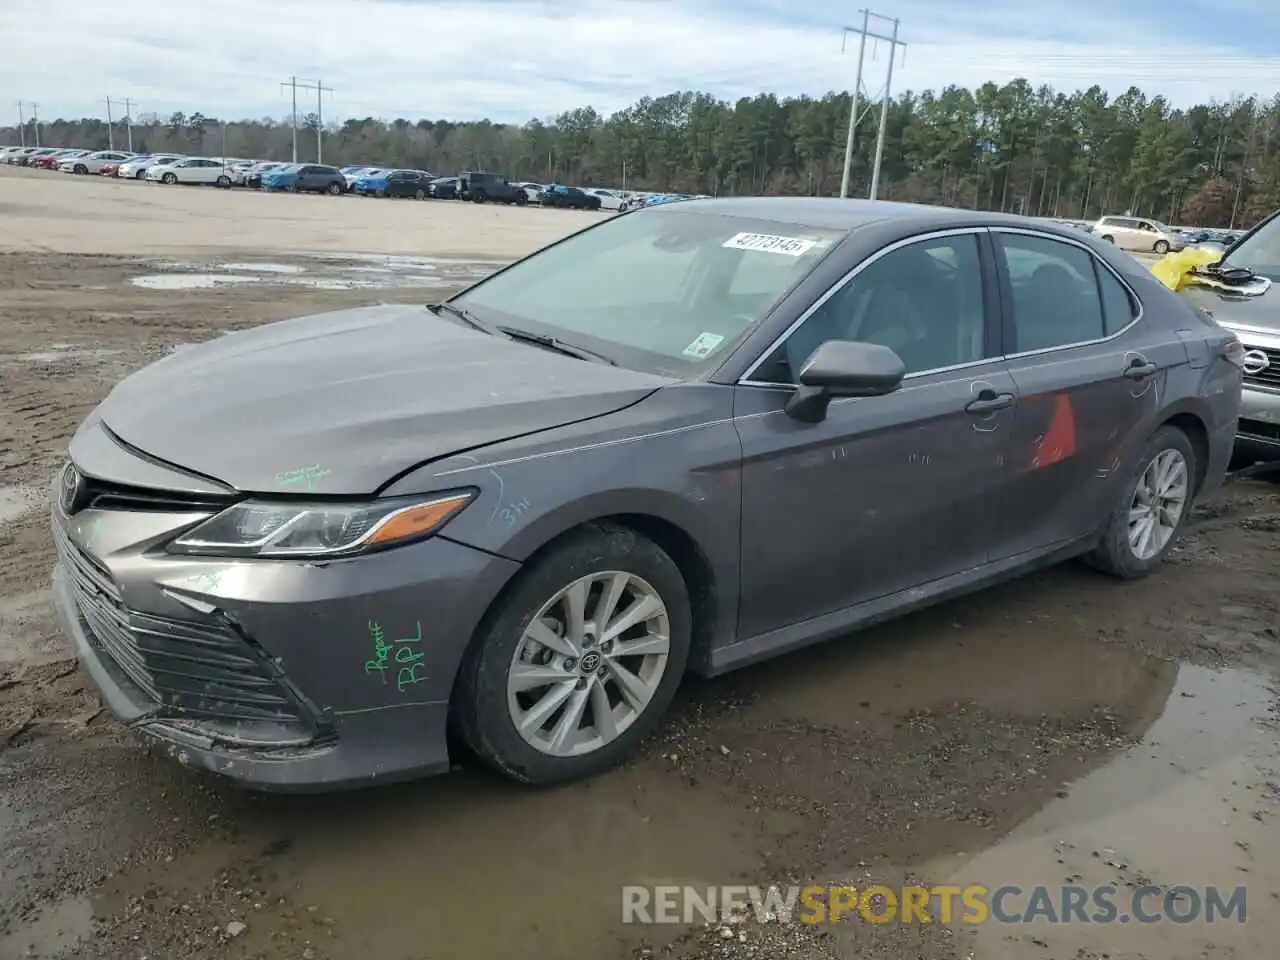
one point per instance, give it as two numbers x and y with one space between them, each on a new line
477 198
482 712
335 190
1161 247
80 168
140 175
419 194
1107 238
169 178
1114 553
522 199
292 188
224 182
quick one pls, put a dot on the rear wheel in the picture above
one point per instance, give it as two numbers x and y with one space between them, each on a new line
140 175
1145 524
170 178
1161 247
578 662
1107 238
335 189
81 168
419 194
477 197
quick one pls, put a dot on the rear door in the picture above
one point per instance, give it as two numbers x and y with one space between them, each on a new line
1089 375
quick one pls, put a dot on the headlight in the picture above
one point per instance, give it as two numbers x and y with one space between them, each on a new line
258 529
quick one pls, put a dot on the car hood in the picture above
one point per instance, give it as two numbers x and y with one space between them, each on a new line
1256 313
348 401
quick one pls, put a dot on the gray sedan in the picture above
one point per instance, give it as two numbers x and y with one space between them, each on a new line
684 439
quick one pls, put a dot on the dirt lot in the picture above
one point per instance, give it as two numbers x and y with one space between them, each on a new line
1063 729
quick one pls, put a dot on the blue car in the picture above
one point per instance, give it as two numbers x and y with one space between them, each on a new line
371 183
305 178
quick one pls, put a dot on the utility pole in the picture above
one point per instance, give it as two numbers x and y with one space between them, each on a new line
128 116
854 116
22 126
35 121
894 43
1244 164
111 139
853 99
292 84
320 90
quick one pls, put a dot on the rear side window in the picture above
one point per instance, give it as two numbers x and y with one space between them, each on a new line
1118 306
1056 299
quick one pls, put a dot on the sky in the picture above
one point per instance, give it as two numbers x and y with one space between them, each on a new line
513 60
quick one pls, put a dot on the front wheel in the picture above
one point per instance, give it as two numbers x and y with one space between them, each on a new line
81 168
140 175
1145 524
419 195
224 182
1107 238
170 178
578 662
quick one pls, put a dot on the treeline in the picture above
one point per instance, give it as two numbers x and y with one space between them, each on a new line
1015 148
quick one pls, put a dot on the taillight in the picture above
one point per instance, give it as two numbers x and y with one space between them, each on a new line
1233 352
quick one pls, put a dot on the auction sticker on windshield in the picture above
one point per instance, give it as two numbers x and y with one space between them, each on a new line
768 243
702 347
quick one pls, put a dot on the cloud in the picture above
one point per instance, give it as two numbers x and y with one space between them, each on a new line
511 60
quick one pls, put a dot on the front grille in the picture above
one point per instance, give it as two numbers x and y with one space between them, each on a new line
1270 377
198 669
104 495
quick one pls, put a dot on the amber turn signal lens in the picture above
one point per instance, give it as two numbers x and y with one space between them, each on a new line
418 520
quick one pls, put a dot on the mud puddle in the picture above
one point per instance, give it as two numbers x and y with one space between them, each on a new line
349 272
1195 804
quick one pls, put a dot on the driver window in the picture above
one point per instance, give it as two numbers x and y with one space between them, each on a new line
924 301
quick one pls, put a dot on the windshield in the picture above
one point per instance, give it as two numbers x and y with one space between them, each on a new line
666 292
1260 251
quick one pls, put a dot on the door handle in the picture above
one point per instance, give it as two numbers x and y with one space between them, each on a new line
988 401
1140 368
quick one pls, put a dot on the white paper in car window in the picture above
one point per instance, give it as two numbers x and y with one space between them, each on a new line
769 243
702 347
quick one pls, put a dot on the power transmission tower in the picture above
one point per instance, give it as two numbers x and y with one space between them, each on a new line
320 90
854 116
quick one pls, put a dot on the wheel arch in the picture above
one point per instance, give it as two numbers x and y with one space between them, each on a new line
1193 423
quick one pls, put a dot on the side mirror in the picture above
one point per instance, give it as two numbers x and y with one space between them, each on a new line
844 368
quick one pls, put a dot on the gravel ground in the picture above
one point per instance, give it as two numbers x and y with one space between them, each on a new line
1012 734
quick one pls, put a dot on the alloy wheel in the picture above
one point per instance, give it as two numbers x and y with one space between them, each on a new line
1158 503
589 663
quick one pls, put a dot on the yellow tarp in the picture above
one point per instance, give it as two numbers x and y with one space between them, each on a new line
1174 269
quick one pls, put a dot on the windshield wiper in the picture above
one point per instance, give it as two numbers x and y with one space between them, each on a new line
559 346
465 315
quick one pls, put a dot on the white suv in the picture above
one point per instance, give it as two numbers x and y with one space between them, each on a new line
1139 233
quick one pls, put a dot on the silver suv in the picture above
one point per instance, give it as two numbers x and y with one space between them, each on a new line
1139 234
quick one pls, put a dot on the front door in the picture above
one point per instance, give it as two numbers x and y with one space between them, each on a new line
1089 381
885 493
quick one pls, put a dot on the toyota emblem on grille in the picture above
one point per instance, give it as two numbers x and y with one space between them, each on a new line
73 490
1255 361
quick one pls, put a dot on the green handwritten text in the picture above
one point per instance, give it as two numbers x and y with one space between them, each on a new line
404 652
305 477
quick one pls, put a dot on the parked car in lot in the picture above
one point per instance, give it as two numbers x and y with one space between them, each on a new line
254 174
371 183
443 188
20 156
306 178
352 174
609 200
408 183
92 162
50 161
303 555
480 187
1256 321
137 167
39 156
204 171
1139 234
569 198
531 191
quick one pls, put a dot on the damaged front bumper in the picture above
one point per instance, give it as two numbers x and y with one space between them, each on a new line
282 676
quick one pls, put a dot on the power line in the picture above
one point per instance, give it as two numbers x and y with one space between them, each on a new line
294 85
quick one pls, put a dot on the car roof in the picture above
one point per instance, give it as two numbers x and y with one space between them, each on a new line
832 213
